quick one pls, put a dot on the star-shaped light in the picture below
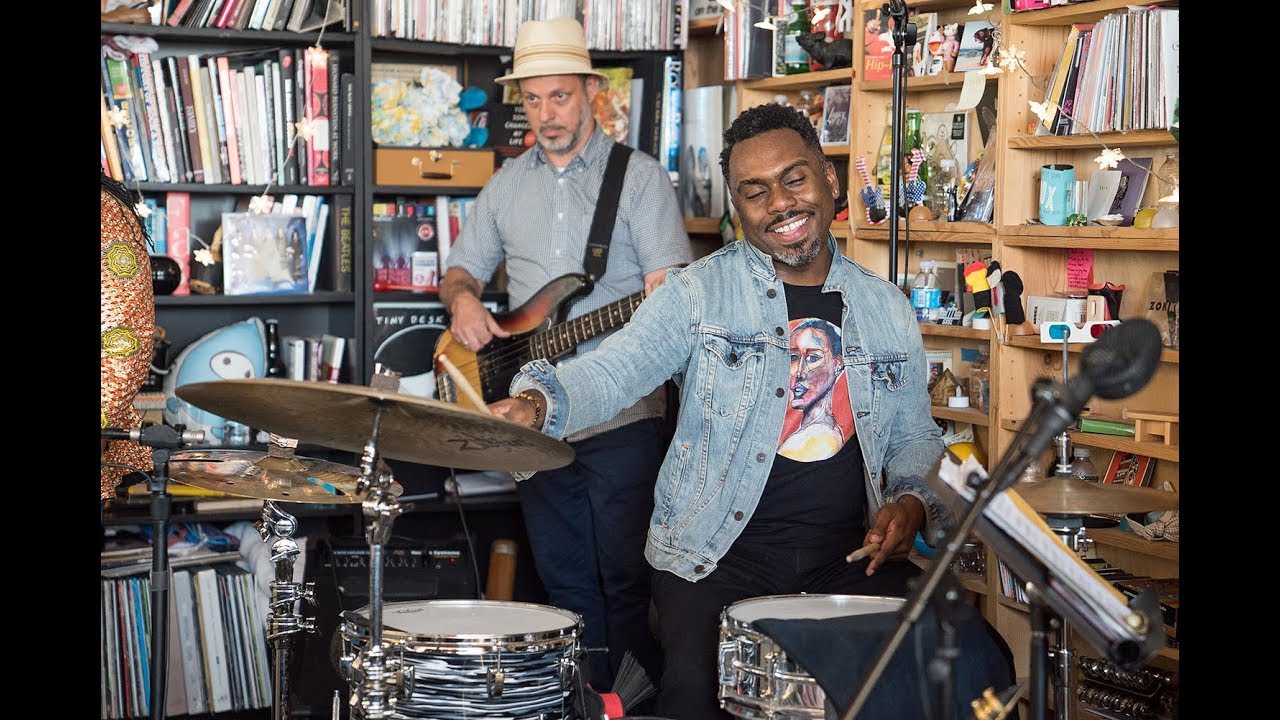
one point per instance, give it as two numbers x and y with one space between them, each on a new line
820 13
766 25
204 256
1043 110
726 4
991 68
1110 158
143 209
1171 197
1011 59
118 117
305 128
259 204
980 7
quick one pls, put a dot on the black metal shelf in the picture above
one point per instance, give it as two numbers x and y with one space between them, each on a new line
315 298
229 37
228 189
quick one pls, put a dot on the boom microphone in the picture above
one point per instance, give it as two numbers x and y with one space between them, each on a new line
1123 359
159 436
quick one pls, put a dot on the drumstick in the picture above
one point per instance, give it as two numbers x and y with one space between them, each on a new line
461 381
862 552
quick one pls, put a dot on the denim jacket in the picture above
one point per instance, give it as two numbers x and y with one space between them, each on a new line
718 328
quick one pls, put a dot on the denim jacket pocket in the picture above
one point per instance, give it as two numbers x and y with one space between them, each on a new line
890 369
731 368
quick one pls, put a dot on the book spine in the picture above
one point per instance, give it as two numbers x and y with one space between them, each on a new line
289 104
109 142
215 640
151 104
178 207
218 120
349 159
183 69
335 119
116 76
195 71
301 86
168 133
279 124
317 112
230 120
175 17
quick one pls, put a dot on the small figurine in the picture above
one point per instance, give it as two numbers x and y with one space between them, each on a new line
949 49
830 55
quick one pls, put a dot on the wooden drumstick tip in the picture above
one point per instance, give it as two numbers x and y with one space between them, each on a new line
862 552
461 381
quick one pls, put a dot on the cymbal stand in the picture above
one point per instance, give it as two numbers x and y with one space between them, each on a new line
282 621
1071 530
380 681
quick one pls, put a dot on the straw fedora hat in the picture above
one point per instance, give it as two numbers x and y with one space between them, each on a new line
550 47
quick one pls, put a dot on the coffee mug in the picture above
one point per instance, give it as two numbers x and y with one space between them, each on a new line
1057 193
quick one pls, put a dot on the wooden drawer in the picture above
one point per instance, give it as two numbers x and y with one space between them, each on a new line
432 167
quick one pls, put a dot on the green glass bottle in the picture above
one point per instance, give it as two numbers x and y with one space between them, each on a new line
915 139
796 58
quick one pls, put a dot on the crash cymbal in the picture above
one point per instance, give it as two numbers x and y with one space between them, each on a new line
258 475
1072 496
412 428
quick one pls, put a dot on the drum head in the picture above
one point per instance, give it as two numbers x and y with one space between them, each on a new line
472 624
814 607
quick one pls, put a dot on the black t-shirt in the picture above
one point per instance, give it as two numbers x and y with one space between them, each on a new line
815 493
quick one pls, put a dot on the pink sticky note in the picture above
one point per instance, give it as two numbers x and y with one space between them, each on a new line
1079 267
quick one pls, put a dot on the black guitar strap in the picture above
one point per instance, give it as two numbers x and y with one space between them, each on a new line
606 213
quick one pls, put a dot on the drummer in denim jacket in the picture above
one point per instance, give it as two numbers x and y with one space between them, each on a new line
735 517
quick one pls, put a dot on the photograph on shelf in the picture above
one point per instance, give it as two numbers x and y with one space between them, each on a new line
835 115
264 254
976 44
939 362
1134 173
702 191
612 104
921 54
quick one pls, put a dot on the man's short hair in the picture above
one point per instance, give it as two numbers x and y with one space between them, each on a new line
762 119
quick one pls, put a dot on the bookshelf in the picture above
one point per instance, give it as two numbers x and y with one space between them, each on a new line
1038 253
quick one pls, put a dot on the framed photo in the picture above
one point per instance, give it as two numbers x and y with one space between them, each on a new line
939 361
835 115
1128 468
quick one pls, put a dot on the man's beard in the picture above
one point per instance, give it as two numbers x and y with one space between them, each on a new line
555 147
801 257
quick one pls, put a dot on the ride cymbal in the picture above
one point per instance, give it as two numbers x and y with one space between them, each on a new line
411 428
1073 496
258 475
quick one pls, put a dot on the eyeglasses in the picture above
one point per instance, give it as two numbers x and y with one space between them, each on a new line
1056 332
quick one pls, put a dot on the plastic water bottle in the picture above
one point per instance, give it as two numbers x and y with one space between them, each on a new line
926 296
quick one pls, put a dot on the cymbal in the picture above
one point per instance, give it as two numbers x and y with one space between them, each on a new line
412 428
1073 496
257 475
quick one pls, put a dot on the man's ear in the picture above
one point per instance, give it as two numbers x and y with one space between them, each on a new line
591 83
833 180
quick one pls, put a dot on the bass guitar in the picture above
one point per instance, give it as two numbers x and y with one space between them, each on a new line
537 331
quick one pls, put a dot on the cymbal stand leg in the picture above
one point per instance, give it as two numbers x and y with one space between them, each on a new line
282 621
380 680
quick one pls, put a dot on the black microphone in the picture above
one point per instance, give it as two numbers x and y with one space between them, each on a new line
1118 364
158 436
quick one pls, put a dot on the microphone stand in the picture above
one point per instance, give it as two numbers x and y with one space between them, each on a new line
1050 415
161 439
904 36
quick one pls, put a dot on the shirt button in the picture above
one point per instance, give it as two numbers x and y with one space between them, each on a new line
779 392
778 331
737 515
560 181
759 457
557 252
700 569
772 293
559 216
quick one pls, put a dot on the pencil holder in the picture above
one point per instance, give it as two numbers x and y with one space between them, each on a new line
1057 193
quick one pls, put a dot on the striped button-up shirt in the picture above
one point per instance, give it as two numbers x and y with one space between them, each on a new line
537 219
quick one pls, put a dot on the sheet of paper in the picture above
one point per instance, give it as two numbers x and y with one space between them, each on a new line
1079 267
975 83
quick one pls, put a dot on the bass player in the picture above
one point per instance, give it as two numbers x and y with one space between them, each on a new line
586 522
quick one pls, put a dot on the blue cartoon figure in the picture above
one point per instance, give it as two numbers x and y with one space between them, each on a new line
234 352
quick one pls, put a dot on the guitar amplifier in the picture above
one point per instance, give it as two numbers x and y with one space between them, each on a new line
411 570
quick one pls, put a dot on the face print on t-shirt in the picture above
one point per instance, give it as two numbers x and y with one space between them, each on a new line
818 421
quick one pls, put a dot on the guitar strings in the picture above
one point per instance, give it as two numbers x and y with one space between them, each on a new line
523 347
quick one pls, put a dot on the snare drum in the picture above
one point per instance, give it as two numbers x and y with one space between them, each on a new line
757 679
478 659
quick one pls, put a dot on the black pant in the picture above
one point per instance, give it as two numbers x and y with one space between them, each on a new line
689 613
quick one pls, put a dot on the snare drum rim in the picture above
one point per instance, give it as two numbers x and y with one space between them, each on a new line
469 643
751 600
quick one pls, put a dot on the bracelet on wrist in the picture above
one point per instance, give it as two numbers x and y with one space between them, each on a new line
537 406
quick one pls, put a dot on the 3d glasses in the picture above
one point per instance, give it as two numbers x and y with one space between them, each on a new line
1058 332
